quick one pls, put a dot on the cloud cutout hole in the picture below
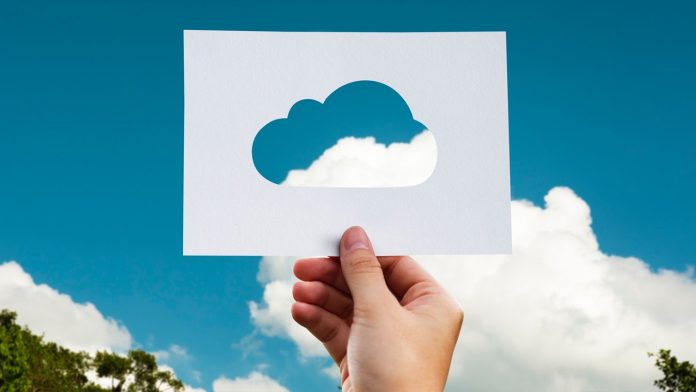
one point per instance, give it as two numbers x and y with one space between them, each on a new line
364 131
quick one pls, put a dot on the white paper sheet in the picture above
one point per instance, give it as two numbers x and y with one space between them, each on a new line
235 82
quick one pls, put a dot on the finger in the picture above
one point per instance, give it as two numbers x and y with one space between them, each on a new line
325 326
324 296
362 270
327 270
403 275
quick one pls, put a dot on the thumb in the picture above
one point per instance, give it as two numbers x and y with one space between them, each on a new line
361 269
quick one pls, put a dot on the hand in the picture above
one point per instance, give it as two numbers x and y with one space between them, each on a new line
384 320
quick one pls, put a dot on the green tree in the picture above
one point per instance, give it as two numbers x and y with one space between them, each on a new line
677 376
14 358
29 364
139 368
112 366
55 368
148 378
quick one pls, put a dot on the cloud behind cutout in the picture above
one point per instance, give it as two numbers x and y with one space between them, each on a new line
360 162
360 109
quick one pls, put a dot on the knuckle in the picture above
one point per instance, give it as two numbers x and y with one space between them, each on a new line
456 314
452 313
364 264
320 294
363 312
460 316
329 334
346 311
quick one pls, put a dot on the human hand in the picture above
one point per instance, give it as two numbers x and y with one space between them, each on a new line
384 320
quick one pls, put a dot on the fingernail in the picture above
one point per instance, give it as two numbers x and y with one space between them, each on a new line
355 238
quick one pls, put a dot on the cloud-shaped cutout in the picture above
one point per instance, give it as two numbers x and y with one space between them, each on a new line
359 109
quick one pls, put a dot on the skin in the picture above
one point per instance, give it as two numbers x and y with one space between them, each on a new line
384 320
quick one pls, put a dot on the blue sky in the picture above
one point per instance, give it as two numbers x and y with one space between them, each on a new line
601 96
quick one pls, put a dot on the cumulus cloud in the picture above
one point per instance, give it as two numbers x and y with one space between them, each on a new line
254 382
556 314
359 109
272 317
78 326
362 162
560 314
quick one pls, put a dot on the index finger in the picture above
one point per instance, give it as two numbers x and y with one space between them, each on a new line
323 269
402 273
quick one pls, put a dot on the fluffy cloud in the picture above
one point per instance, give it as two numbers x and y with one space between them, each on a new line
559 314
273 316
556 314
79 326
254 382
74 325
364 162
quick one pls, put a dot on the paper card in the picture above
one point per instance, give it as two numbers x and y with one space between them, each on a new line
237 82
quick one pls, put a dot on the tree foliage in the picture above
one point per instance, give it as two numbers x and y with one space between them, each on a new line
30 364
677 376
14 358
139 369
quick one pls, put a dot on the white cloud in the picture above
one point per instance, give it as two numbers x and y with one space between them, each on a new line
174 352
254 382
79 326
178 351
249 344
273 316
557 314
332 372
354 162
